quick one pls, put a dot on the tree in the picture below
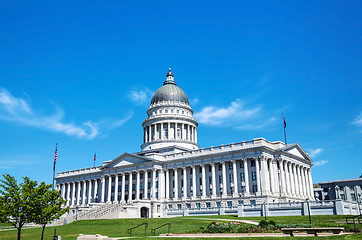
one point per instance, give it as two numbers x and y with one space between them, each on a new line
48 205
16 201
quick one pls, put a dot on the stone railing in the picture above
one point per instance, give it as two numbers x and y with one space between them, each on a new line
79 171
258 142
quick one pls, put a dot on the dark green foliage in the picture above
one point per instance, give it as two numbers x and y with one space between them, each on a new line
28 202
238 227
16 201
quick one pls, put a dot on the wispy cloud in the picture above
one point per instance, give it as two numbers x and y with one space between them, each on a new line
17 110
315 152
320 163
140 97
358 120
237 114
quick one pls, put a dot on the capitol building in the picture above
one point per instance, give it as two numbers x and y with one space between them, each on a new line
172 173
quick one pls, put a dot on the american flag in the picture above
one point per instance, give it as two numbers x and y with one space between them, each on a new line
285 123
56 153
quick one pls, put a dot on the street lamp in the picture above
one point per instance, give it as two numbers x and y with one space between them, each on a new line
76 212
358 201
310 220
264 210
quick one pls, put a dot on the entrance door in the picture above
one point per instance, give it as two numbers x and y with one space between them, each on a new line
144 212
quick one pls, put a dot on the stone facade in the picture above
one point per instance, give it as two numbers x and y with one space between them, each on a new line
171 172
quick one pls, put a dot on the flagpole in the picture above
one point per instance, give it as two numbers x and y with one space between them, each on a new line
55 160
285 125
94 163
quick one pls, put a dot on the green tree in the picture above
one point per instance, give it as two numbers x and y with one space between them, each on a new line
16 201
47 205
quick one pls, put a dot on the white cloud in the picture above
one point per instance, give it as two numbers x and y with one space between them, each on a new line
358 120
223 115
319 163
315 152
140 97
18 110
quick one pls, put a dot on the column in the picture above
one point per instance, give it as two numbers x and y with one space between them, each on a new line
145 189
176 183
103 188
310 183
109 200
116 189
68 194
305 183
246 175
168 130
185 183
78 194
167 183
138 185
123 187
265 187
195 135
194 181
130 187
84 192
291 176
89 191
299 181
257 174
235 178
295 178
161 185
203 180
149 133
162 132
95 194
213 179
144 135
63 191
286 177
272 183
224 182
153 190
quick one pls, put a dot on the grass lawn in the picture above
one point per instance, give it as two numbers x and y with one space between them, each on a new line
118 227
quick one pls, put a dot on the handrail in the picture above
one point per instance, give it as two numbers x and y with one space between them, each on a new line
129 231
153 231
354 221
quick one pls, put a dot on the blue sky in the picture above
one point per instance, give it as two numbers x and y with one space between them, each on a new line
81 74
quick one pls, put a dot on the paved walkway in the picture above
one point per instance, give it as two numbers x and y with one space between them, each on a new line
240 235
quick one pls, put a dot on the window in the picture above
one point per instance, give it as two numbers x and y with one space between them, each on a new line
230 165
218 204
133 186
208 204
190 182
166 132
149 185
170 206
198 205
242 189
156 194
158 208
156 173
126 187
182 182
241 164
200 170
188 205
252 202
141 175
242 177
127 177
210 180
255 188
231 177
220 179
141 186
353 197
178 111
156 184
241 202
183 112
253 175
209 168
173 183
166 111
178 132
200 181
252 163
179 206
133 177
229 203
171 110
220 167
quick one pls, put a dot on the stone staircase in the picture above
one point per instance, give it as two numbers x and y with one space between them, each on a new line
93 211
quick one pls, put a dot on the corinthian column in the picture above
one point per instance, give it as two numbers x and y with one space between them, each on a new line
109 189
235 178
176 183
194 181
116 189
246 175
224 182
213 178
203 175
145 189
185 183
167 184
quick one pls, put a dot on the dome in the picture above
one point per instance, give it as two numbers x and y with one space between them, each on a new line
170 91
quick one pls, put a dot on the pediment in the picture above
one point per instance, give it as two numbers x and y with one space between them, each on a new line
126 159
297 151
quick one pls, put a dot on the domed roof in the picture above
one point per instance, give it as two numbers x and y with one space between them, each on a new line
169 91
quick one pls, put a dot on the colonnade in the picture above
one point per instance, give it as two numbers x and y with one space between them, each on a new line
170 131
258 176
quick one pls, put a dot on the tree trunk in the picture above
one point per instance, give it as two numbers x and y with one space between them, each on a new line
19 232
42 232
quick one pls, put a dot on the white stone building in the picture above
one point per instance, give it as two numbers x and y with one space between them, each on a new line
172 172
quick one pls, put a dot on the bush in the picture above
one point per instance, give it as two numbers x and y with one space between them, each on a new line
237 227
263 223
